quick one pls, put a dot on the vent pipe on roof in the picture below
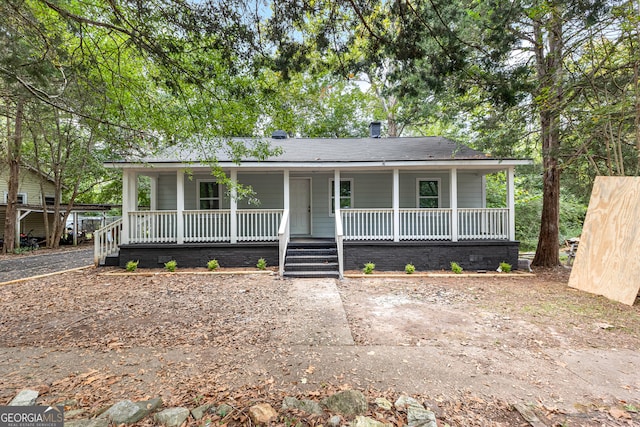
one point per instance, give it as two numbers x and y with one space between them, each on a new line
374 129
279 134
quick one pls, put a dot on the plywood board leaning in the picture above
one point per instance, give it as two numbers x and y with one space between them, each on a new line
608 258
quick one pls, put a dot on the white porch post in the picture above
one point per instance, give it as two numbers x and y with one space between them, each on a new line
125 206
234 206
511 203
453 195
153 196
16 241
396 205
286 192
336 191
180 206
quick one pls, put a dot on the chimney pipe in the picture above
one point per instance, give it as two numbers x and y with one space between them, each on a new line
279 134
374 129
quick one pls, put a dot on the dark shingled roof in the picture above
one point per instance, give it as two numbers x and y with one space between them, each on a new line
331 150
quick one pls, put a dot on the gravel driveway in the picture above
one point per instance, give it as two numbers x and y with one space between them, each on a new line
49 261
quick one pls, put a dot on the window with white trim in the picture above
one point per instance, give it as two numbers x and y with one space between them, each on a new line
208 195
428 193
49 200
21 200
346 194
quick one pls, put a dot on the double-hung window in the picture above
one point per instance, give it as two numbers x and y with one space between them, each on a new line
208 195
428 193
21 199
346 194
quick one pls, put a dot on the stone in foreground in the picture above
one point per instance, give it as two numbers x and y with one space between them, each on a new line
262 414
172 417
25 398
348 402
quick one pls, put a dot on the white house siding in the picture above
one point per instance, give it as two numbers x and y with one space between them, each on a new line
268 190
371 190
167 191
28 183
469 190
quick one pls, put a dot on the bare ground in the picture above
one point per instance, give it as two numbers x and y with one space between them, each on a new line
473 348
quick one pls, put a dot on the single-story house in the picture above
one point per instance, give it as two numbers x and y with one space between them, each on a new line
418 200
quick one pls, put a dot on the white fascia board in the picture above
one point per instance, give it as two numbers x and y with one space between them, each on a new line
440 164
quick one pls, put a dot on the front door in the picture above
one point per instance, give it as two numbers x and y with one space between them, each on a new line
300 204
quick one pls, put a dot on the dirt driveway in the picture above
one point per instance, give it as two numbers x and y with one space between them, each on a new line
473 346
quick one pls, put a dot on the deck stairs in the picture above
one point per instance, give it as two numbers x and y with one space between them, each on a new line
311 258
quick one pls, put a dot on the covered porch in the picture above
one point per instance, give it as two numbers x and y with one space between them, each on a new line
310 211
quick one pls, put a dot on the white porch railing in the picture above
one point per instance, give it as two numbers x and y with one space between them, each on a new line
283 238
153 226
479 224
367 224
207 226
258 225
425 224
106 241
253 225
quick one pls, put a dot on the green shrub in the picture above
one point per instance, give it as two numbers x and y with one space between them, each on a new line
213 264
132 265
409 268
455 267
170 265
262 264
368 268
505 267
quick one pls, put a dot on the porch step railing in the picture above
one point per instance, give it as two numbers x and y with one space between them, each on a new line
106 241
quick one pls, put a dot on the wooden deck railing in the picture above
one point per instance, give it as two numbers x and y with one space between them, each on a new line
426 224
258 225
207 225
478 224
153 227
200 226
367 224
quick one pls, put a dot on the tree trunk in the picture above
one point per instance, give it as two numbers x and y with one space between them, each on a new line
551 96
547 253
14 150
